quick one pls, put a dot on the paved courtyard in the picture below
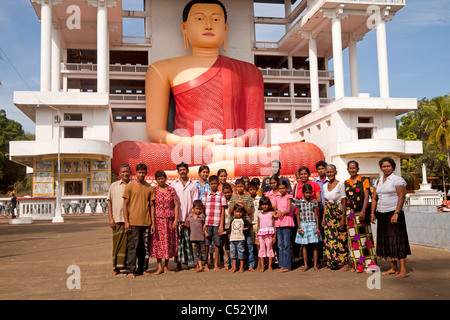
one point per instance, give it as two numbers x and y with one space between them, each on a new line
35 259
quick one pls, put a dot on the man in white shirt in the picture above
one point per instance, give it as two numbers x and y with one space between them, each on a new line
187 192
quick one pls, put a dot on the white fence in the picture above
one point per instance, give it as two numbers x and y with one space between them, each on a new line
44 208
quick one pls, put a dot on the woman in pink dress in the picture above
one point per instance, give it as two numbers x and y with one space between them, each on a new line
164 240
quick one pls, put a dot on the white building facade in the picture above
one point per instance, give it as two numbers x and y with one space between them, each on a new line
93 83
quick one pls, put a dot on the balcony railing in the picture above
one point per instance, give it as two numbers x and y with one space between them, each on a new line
44 208
127 97
295 101
137 40
289 73
83 67
265 45
376 1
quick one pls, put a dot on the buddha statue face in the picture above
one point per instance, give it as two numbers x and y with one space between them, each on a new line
205 26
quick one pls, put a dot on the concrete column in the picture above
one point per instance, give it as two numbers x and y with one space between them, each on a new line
56 60
148 27
287 11
102 47
383 74
314 74
353 57
46 45
336 32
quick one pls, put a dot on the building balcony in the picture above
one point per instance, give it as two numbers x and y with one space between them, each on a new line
290 101
25 152
293 74
29 101
366 147
88 67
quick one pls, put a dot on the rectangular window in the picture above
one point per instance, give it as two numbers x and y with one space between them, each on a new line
73 188
365 133
365 119
73 132
73 117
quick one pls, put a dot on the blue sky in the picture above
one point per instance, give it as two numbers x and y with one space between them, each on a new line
418 52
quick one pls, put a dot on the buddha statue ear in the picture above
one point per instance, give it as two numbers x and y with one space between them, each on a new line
224 46
185 36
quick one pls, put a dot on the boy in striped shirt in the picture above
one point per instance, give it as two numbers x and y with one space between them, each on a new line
215 203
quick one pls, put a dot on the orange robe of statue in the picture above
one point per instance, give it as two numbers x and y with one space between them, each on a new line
227 99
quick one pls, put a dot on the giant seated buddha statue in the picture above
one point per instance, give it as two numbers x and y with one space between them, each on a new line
206 108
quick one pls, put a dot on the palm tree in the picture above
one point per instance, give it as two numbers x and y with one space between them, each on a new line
437 124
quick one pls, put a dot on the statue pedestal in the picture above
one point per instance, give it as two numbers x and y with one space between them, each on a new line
25 220
425 196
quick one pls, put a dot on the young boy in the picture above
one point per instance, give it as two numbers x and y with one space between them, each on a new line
139 215
238 227
196 224
244 200
253 191
227 191
215 203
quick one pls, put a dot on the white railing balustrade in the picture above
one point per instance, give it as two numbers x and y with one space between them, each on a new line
43 208
296 101
293 73
127 97
83 67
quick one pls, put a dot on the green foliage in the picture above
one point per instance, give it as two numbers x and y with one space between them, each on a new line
10 172
430 123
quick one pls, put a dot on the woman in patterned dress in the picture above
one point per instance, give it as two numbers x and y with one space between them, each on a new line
164 240
334 222
360 240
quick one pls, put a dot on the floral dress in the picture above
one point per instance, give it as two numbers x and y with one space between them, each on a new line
164 240
335 237
361 247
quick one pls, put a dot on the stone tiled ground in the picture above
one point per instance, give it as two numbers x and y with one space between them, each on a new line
34 260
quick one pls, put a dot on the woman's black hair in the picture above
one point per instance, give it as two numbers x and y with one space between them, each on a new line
160 173
189 5
387 159
304 168
354 162
220 171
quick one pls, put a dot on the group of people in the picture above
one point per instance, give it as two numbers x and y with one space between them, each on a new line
258 225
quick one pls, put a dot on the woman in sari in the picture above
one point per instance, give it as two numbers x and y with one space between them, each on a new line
334 223
360 238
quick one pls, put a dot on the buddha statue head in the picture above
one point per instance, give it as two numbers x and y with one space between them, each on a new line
205 24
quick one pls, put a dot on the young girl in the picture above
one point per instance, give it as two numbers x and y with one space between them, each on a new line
196 223
274 193
308 225
266 232
284 222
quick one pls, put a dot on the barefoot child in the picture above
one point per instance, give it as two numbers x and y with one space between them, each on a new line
266 232
284 222
196 223
238 226
215 203
227 191
308 225
253 192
